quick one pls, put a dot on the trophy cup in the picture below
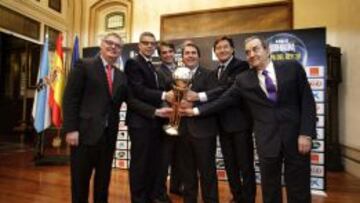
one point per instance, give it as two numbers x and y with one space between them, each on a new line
181 82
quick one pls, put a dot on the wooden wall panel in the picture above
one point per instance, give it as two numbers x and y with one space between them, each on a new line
18 23
234 20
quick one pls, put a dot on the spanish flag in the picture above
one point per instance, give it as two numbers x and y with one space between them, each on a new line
57 77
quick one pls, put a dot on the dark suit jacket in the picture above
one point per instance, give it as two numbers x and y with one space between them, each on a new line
88 106
276 125
228 122
166 74
144 88
202 126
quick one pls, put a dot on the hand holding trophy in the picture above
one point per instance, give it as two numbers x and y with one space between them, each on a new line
181 83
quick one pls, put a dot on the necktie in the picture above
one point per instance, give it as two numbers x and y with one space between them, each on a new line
109 77
220 71
154 72
270 86
172 69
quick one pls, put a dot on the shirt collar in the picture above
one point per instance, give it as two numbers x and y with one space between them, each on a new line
227 62
171 67
193 71
146 58
269 68
104 62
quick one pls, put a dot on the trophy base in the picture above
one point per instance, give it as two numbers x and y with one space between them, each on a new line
171 130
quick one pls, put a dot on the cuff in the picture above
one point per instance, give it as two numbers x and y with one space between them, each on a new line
202 96
196 111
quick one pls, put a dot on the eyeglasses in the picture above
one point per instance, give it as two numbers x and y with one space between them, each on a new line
112 43
147 43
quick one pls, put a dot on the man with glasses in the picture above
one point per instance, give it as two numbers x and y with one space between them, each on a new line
145 133
91 103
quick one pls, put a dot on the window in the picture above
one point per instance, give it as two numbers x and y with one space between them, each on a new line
55 5
53 35
114 21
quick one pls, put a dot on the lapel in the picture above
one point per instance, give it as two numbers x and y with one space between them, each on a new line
116 81
166 70
230 67
280 76
150 71
195 78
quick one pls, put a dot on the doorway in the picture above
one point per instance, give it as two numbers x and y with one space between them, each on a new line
19 62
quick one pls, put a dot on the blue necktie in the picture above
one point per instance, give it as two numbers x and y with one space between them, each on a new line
270 86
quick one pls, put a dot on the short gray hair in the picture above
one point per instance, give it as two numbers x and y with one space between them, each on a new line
264 43
147 34
113 34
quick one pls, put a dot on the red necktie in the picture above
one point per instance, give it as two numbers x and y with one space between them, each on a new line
109 77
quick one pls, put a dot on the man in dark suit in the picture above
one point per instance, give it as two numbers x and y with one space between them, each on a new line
198 138
283 109
91 103
235 131
170 154
145 132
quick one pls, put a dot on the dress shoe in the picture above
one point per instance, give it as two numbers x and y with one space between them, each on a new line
162 199
177 191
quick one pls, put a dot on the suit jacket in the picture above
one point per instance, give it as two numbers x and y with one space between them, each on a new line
228 122
202 126
146 88
166 74
276 125
88 106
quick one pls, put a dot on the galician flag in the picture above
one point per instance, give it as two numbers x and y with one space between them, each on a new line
41 110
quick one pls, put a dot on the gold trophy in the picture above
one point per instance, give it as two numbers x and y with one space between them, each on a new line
181 82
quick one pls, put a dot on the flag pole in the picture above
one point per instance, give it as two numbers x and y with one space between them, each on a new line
57 139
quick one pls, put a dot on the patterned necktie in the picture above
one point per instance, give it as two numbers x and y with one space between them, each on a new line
270 86
109 77
220 71
154 72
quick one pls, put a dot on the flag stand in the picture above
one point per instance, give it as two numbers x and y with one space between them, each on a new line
40 159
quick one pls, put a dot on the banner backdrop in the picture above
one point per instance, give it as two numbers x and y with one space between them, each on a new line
308 46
